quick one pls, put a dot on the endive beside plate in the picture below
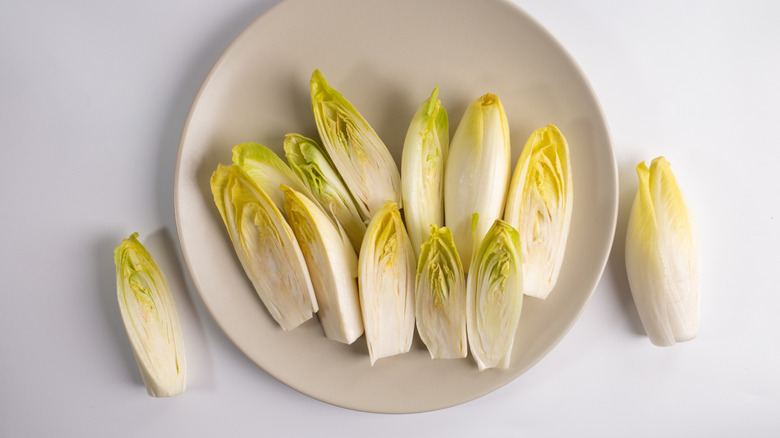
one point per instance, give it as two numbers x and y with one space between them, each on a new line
494 296
386 279
539 206
311 164
440 297
662 256
332 266
357 152
266 246
422 169
476 176
150 319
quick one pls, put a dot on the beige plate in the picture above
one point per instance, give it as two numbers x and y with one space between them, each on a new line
386 57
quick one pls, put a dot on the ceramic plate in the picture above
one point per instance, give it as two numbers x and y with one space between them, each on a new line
386 57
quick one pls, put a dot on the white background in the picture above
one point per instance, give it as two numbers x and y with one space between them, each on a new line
93 96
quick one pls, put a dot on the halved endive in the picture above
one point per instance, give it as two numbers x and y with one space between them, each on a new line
332 266
266 246
357 152
150 318
268 171
662 256
422 169
440 297
494 296
311 164
386 277
539 206
476 176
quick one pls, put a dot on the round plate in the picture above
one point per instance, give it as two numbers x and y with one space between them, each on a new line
386 57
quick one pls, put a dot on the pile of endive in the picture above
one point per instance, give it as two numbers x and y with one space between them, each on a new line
449 245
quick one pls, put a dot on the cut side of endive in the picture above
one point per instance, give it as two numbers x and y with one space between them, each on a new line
386 277
266 246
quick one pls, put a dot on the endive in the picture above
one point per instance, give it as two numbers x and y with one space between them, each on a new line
662 256
440 297
268 171
357 152
476 175
266 247
539 206
422 169
494 296
386 278
332 266
150 319
309 162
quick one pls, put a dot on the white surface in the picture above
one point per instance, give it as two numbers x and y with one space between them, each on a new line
93 96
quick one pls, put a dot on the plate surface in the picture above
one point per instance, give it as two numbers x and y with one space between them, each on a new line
386 57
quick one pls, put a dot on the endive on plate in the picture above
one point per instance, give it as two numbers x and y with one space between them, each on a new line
440 297
386 279
539 206
311 164
357 152
494 296
332 266
662 256
266 246
476 176
422 169
268 171
150 319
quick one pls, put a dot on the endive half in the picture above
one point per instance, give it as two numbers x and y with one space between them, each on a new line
386 278
332 266
268 171
422 169
476 176
494 296
539 206
357 152
266 247
150 319
309 162
662 256
440 297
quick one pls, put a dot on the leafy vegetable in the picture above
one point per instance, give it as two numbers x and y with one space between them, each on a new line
265 245
440 303
332 266
268 171
476 176
422 169
309 162
386 277
494 296
356 151
662 256
150 318
539 206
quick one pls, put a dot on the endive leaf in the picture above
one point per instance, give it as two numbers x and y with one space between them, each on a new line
662 257
440 303
268 171
150 319
539 206
386 278
494 296
357 152
476 176
332 266
266 247
422 169
309 162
